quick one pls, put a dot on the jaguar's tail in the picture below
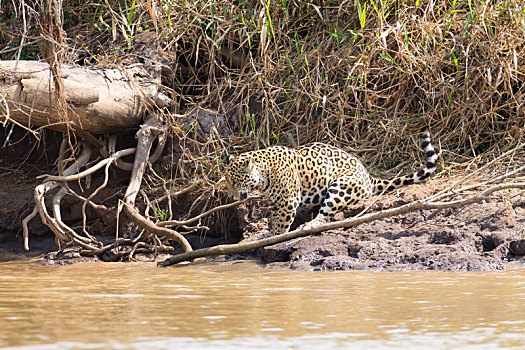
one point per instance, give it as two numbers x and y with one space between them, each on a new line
381 185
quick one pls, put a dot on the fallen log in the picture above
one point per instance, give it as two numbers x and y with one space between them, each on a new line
98 100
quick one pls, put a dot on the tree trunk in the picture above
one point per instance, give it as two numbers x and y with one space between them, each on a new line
98 100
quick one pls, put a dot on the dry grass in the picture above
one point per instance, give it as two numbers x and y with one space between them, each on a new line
365 75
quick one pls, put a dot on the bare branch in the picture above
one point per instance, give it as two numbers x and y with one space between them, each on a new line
91 170
449 189
134 215
184 190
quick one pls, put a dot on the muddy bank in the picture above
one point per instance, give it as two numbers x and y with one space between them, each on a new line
478 237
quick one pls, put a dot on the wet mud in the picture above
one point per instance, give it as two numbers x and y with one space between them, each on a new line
478 237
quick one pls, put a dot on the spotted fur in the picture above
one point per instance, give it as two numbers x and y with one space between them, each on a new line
310 175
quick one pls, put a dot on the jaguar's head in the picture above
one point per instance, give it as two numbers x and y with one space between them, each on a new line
242 175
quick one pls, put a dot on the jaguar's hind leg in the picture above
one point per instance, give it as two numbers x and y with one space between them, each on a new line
344 193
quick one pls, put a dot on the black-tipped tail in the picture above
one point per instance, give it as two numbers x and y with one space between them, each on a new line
417 177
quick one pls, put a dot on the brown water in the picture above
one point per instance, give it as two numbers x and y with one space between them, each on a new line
242 305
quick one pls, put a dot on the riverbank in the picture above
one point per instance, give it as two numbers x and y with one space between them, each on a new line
248 76
479 237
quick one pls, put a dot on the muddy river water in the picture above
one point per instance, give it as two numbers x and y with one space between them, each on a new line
242 305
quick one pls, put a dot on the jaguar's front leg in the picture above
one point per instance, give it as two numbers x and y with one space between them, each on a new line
283 215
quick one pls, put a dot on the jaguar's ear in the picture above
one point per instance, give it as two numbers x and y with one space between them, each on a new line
227 160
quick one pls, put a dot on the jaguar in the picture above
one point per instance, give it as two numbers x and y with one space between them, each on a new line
315 174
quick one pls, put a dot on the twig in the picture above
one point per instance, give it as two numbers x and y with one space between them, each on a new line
178 193
449 188
134 215
99 251
164 182
88 199
473 186
206 213
84 199
22 40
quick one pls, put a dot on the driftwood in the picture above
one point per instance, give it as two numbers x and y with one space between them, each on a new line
98 100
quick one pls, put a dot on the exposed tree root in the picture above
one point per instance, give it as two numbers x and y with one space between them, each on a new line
65 234
145 136
146 224
40 207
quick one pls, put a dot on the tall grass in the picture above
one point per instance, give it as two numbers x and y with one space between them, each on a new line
363 74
